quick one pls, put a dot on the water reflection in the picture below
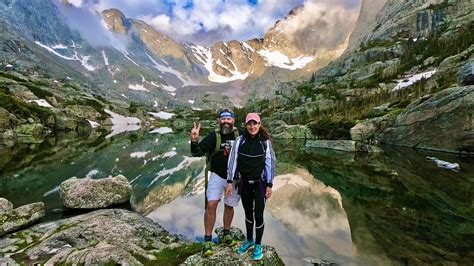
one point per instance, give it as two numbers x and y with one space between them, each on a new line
302 213
394 208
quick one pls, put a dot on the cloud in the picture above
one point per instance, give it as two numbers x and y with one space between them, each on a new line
90 26
205 22
322 23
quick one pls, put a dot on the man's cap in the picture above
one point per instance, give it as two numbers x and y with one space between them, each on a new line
226 112
252 116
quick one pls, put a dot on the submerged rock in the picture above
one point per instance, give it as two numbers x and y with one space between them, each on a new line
94 193
13 219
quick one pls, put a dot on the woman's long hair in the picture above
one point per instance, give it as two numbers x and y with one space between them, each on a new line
263 132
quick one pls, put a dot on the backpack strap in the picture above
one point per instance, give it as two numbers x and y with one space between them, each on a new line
209 159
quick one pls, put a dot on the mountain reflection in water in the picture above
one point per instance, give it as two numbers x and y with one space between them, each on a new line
395 208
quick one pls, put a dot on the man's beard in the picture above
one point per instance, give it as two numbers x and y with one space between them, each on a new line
226 128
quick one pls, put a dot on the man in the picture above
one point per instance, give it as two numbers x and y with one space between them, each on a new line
216 145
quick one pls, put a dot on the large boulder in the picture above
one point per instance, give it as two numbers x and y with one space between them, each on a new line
443 122
110 236
13 219
90 193
370 129
292 132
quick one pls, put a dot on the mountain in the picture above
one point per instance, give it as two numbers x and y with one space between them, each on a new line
406 79
129 59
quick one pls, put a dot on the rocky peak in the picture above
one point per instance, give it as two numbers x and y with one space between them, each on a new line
115 20
157 42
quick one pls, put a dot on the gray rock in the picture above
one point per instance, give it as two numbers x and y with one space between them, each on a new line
94 193
13 219
8 262
343 145
442 122
98 237
5 205
273 123
340 145
236 233
61 122
227 256
292 132
466 73
364 131
35 130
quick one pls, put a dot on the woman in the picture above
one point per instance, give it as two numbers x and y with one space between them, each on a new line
253 160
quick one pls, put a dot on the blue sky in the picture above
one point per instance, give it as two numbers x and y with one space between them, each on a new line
207 21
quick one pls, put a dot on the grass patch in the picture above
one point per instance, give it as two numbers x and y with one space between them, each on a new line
23 110
11 76
375 43
176 256
36 90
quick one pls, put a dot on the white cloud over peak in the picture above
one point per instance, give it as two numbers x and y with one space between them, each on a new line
207 21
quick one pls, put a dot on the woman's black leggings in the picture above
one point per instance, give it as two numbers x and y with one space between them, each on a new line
252 195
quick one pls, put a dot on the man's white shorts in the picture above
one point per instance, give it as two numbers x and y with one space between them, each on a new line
216 187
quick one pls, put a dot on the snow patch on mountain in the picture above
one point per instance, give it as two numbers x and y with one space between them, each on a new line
137 87
204 55
82 59
169 69
59 46
408 81
42 103
127 55
276 58
168 88
106 60
248 47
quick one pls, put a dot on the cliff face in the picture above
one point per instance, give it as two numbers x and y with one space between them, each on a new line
406 66
367 15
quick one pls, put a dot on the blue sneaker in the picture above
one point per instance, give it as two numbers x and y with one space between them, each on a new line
245 246
257 252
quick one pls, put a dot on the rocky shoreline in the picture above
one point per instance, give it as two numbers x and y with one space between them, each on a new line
103 236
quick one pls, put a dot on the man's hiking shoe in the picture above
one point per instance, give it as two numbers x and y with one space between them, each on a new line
207 249
257 252
245 246
229 241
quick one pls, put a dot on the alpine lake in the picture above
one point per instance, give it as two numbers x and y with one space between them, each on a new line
394 208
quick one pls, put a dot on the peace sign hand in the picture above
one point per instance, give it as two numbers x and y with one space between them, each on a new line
195 132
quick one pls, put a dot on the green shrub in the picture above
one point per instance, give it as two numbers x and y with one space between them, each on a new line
36 90
327 128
